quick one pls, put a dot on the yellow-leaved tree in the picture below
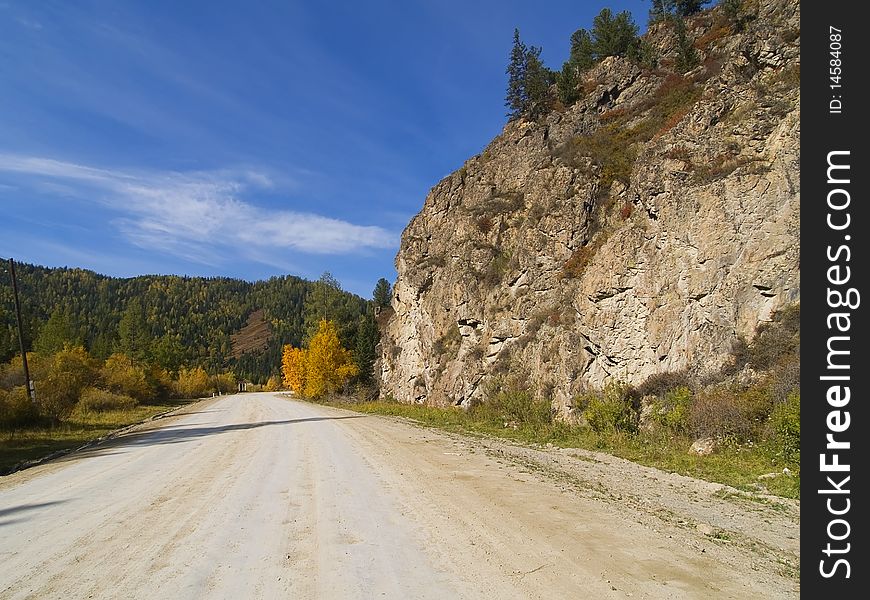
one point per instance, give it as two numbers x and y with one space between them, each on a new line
293 369
323 368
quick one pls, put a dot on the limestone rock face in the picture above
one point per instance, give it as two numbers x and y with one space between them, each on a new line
644 229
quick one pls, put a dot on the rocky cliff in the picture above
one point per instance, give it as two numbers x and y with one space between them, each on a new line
644 229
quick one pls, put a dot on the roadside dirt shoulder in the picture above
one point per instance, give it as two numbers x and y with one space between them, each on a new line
754 537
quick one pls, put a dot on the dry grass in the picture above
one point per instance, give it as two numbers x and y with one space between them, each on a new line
35 442
581 257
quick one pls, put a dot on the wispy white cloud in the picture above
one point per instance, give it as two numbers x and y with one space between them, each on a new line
199 216
29 23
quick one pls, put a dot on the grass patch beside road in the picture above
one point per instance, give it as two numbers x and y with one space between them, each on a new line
733 465
33 442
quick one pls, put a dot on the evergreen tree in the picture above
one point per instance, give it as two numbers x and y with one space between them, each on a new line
8 343
684 8
168 353
528 81
382 293
613 36
103 344
328 301
365 345
582 50
687 57
517 98
57 332
643 53
580 59
134 337
537 83
665 9
567 84
658 12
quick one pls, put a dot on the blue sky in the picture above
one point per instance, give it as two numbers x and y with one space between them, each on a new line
247 139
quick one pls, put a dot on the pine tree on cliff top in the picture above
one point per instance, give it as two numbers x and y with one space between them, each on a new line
517 98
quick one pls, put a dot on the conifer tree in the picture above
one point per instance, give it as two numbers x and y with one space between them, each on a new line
517 97
687 57
57 332
364 355
528 81
328 301
582 50
666 9
382 292
580 59
684 8
537 83
133 333
658 12
613 36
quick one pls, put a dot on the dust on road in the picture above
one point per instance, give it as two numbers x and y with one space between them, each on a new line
259 496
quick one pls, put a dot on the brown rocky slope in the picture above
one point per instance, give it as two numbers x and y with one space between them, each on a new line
644 229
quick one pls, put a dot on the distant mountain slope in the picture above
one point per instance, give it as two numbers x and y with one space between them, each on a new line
199 314
253 337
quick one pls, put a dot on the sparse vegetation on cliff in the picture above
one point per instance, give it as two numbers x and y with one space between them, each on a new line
646 205
754 426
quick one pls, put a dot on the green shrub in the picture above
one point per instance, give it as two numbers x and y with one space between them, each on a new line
16 409
756 405
509 400
784 430
496 269
449 342
610 410
96 400
671 411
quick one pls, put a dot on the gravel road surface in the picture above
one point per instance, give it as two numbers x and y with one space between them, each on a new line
260 496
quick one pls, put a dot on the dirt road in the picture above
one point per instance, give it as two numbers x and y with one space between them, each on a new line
258 496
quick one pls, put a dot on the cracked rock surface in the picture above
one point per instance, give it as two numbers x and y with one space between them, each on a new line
534 258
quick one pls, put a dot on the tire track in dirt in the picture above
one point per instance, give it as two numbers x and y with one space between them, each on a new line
258 496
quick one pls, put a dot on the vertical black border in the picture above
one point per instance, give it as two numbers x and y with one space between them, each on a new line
824 131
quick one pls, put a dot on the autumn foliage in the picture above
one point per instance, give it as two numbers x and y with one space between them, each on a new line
321 369
293 368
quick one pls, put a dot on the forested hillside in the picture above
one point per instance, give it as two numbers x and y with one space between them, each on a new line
170 320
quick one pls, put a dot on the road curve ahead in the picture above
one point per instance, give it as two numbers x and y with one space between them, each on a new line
259 496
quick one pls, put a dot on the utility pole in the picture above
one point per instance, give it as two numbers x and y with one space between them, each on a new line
31 393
